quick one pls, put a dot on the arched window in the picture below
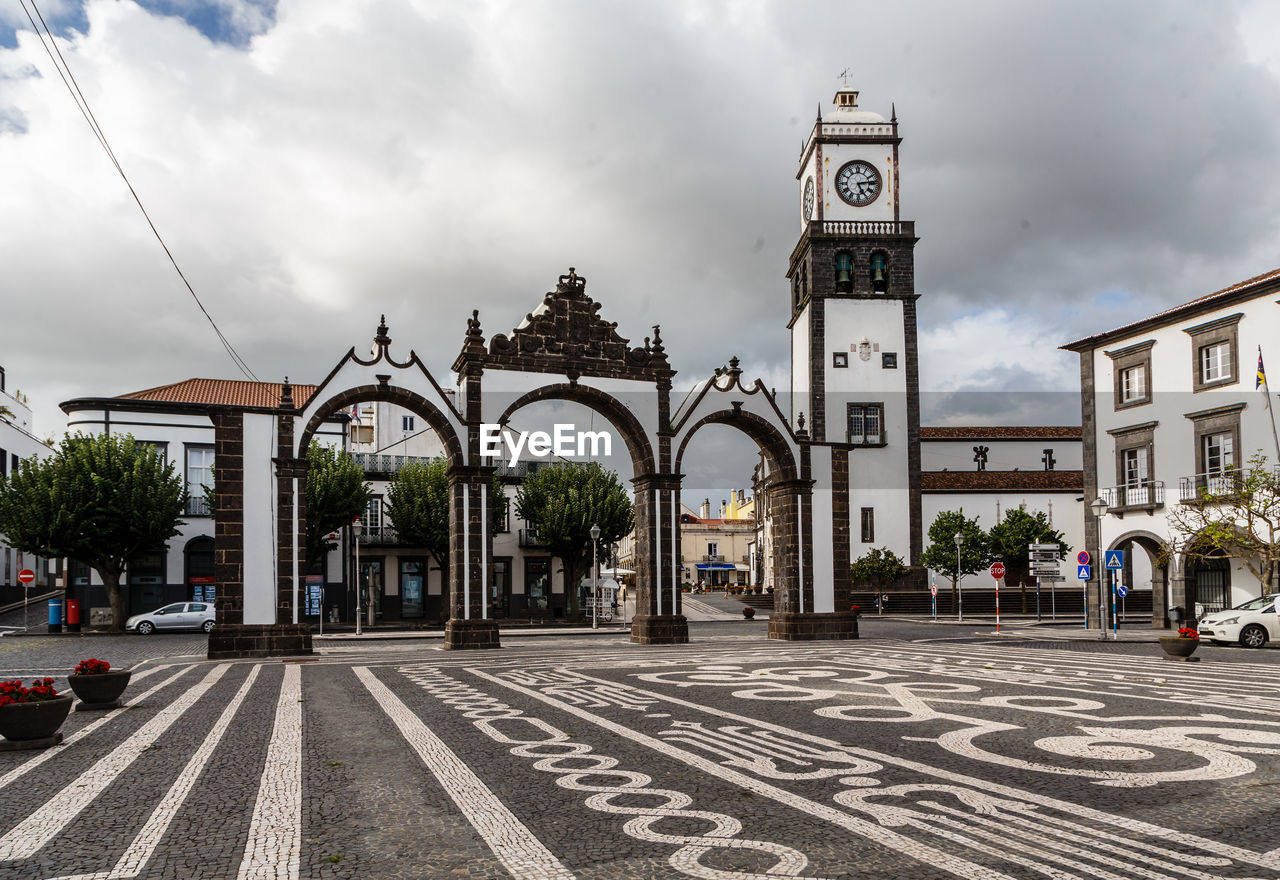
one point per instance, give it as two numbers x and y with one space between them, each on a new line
879 268
844 272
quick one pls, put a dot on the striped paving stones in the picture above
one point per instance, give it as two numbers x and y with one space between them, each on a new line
731 757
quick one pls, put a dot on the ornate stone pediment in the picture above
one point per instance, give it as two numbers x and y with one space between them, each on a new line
565 334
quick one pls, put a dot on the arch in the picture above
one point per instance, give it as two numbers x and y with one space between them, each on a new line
1157 548
767 436
618 414
410 400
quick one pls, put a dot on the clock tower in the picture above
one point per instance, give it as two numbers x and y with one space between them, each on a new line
854 360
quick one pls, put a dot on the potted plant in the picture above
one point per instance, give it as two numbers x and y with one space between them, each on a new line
1181 646
30 717
98 685
748 612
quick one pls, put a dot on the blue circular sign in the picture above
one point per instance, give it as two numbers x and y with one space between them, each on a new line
1082 558
1122 590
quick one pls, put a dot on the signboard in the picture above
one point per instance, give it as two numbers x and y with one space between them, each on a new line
997 570
1115 559
1055 578
933 591
1041 556
1054 547
1083 558
1122 590
1082 572
26 576
1044 568
315 594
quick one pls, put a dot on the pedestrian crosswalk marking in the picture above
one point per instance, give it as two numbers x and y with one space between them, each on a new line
273 850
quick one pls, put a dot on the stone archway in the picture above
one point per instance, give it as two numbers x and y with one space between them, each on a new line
1158 559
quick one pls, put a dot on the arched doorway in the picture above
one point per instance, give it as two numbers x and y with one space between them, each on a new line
1145 575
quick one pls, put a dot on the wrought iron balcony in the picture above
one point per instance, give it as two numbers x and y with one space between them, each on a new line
197 505
379 535
531 538
376 463
1206 487
1143 496
712 559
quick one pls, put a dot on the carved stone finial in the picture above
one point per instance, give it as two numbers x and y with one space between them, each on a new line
800 422
572 283
473 326
286 394
381 338
658 347
734 370
980 456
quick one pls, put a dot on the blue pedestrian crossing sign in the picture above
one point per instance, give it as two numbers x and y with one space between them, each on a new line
1082 572
1115 559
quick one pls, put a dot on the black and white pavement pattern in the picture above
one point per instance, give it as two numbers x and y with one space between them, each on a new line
731 757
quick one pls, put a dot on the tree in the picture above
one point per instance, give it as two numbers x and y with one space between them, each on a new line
6 413
1236 515
100 500
336 494
975 552
1010 537
878 568
563 502
418 507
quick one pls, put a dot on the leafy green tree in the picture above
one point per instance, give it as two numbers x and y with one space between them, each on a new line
1009 540
336 494
563 502
5 413
418 507
100 500
878 568
1236 514
975 552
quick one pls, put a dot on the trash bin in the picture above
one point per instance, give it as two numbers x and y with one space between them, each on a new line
55 615
73 615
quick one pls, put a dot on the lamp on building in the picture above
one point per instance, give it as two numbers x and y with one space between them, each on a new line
595 579
357 528
959 539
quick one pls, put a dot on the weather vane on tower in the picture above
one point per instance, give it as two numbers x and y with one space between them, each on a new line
844 75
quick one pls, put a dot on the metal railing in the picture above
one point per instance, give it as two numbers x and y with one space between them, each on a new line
383 534
1199 487
531 538
1149 494
197 505
376 463
712 559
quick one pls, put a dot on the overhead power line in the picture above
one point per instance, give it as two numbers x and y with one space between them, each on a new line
82 103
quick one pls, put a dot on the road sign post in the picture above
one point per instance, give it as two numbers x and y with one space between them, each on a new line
933 601
26 577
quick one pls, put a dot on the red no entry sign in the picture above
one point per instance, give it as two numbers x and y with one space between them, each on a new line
26 576
997 570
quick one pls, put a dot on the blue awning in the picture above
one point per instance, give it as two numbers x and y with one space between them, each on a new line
715 566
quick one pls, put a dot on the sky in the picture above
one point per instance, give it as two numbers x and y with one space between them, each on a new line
313 164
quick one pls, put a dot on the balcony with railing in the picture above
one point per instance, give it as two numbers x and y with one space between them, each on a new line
531 538
378 463
1142 496
864 227
712 558
197 505
381 535
1207 487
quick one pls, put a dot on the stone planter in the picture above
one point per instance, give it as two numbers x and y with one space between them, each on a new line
1178 648
33 725
748 612
100 691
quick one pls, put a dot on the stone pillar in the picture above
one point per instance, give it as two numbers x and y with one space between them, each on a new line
471 624
228 516
1159 594
793 617
841 527
659 618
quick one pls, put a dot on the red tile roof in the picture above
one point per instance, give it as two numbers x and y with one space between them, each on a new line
1002 481
1204 303
1002 432
223 392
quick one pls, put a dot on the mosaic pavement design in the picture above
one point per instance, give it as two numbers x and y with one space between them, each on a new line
723 759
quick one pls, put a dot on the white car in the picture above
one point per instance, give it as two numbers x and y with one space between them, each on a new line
1252 624
179 615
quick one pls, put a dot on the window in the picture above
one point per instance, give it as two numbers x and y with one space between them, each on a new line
406 423
1215 352
889 360
4 463
1134 466
868 525
1217 433
866 424
713 549
840 359
373 517
1133 384
880 272
1218 452
199 475
844 272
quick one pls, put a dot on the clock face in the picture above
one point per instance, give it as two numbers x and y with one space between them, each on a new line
858 183
808 199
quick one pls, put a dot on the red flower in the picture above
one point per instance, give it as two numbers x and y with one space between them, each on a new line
1188 633
92 667
13 692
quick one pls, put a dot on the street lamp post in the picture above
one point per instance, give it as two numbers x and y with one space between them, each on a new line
1099 508
356 528
959 539
595 578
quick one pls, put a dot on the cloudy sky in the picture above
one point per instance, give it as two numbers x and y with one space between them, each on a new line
314 163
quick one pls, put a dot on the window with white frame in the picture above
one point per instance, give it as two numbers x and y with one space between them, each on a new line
1133 383
1219 452
373 516
406 423
713 549
1215 362
199 476
866 424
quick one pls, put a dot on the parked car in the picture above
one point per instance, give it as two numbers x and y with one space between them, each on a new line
179 615
1252 624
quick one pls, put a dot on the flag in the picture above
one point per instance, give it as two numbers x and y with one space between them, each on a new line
1261 382
354 415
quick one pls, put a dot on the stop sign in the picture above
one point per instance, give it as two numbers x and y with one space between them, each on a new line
26 576
997 570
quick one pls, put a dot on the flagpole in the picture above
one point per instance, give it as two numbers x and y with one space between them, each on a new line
1266 389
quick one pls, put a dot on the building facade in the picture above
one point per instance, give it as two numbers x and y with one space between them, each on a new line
1172 412
17 442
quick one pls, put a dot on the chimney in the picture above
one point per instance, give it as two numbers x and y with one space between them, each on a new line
704 511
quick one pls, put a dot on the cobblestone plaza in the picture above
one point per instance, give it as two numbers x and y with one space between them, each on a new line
915 752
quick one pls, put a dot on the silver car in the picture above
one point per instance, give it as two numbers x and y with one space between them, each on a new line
179 615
